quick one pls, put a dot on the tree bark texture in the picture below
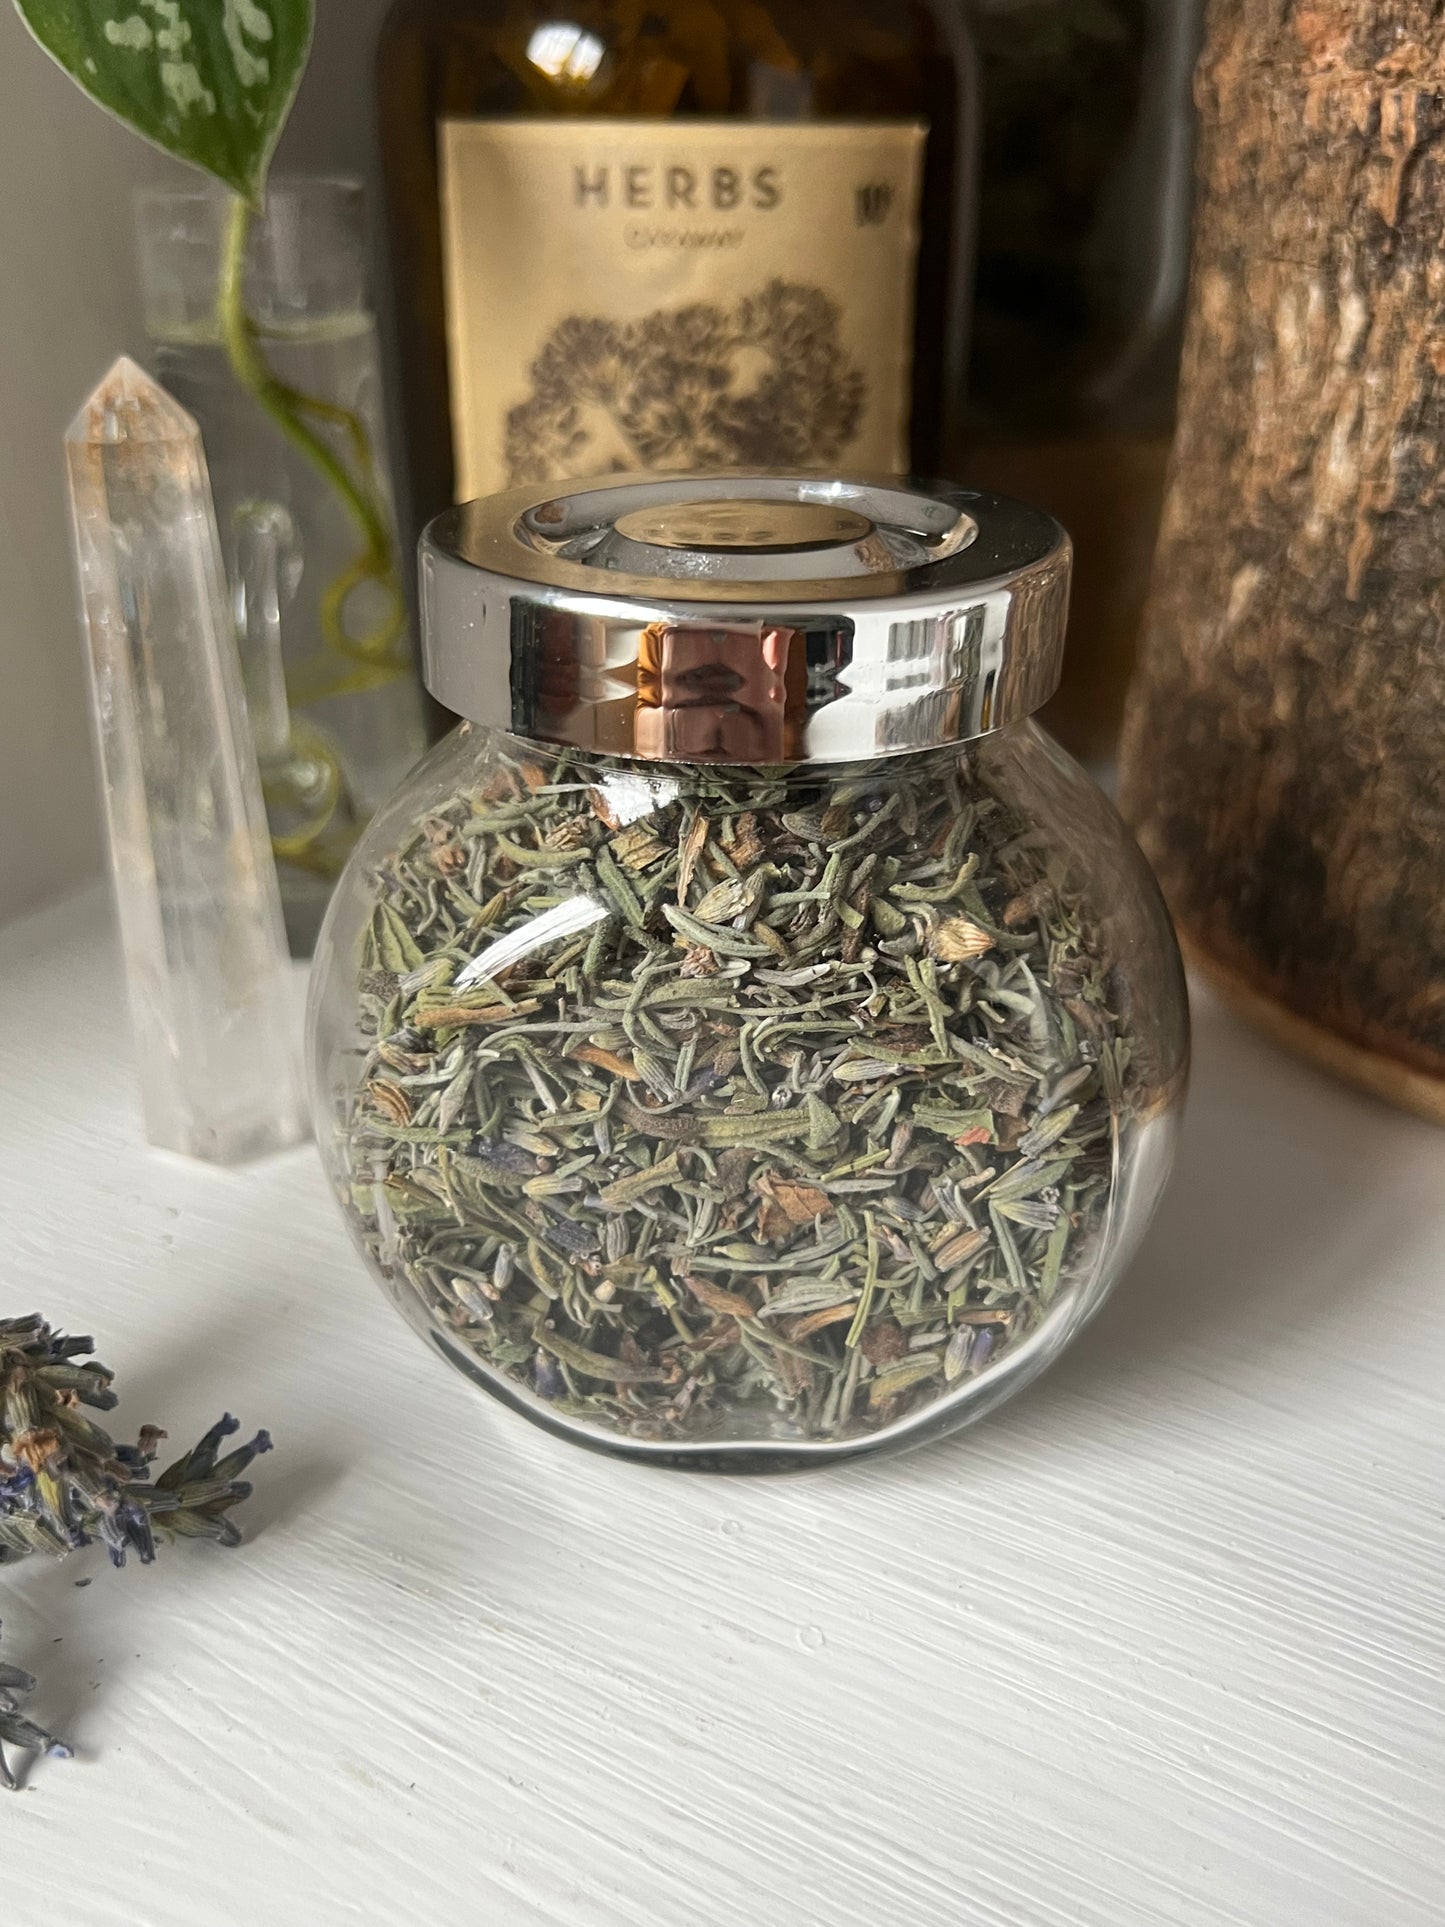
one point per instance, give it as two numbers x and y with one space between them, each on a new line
1284 749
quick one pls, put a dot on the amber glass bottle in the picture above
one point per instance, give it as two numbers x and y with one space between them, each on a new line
676 233
1078 301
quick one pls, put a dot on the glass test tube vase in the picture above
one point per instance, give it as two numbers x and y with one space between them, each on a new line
322 627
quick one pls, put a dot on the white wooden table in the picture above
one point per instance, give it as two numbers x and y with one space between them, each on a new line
1160 1643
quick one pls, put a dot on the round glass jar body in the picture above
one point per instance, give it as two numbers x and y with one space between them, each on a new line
748 1118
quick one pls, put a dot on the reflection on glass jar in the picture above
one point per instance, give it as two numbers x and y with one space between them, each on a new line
737 1113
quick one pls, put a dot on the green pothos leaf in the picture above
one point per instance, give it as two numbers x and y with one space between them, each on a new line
210 81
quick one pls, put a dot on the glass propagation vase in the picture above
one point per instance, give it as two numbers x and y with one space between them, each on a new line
336 710
748 1040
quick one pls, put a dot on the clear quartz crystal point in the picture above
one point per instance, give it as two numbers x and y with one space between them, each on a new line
200 915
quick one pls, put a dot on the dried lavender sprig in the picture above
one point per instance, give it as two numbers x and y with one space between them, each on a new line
16 1729
65 1483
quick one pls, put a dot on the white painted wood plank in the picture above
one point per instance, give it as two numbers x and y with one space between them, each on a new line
1161 1643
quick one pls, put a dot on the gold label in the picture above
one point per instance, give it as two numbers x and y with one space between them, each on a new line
677 294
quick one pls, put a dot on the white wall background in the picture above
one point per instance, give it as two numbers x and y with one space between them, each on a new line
68 306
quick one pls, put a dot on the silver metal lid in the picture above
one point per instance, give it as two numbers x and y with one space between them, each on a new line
744 617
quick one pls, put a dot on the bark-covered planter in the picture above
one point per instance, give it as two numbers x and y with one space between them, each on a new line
1285 741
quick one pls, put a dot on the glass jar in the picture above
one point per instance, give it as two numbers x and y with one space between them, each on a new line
747 1040
336 710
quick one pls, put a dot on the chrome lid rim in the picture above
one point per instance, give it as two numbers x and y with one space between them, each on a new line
711 667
